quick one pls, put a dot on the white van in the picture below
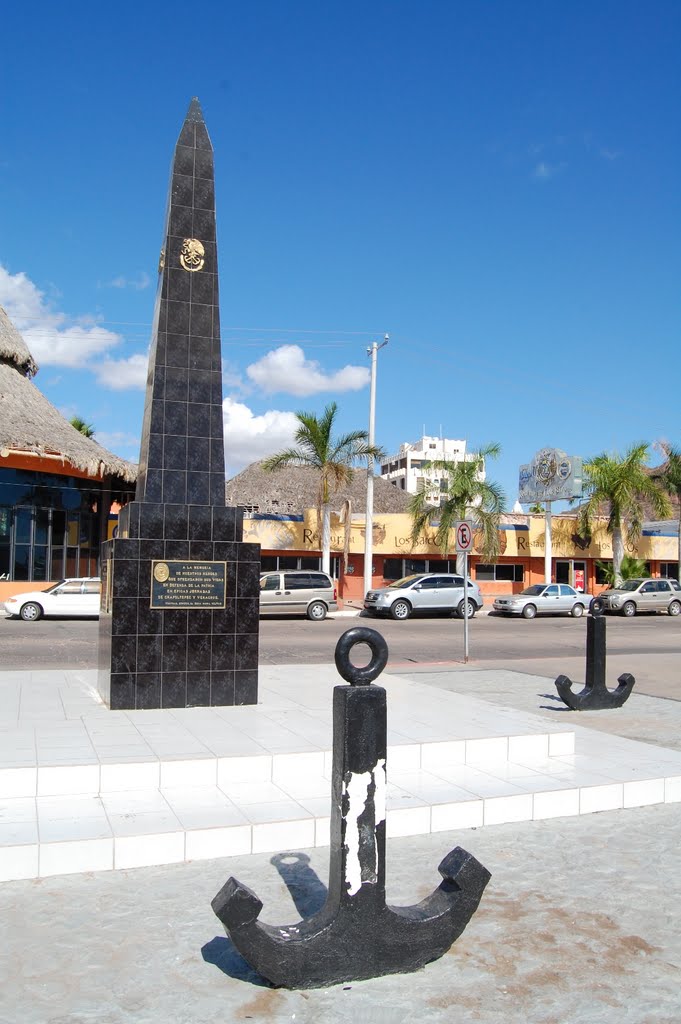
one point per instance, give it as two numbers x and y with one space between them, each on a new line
297 592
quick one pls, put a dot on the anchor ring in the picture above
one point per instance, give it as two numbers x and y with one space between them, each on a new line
353 674
597 606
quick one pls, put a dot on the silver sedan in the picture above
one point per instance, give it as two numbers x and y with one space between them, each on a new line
542 599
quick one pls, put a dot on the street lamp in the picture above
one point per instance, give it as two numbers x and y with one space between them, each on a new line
369 524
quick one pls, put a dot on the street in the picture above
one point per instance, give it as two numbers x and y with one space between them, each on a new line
648 646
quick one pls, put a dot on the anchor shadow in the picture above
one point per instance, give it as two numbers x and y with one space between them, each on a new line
552 707
308 893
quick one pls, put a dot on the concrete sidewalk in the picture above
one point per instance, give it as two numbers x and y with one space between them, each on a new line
580 924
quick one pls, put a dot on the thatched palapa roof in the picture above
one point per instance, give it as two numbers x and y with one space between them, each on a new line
13 348
292 490
31 425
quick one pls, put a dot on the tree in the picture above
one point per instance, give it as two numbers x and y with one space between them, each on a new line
82 427
631 569
670 481
467 497
621 484
332 458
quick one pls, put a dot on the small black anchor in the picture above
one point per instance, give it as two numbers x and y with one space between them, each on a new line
595 696
356 934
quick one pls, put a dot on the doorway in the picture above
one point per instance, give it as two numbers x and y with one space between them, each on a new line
573 572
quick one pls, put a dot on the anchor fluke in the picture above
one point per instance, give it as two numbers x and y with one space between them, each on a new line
236 905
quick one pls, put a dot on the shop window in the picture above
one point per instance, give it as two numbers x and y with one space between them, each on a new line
268 563
603 569
504 571
392 569
670 570
412 565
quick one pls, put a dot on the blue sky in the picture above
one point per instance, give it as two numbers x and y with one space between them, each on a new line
494 184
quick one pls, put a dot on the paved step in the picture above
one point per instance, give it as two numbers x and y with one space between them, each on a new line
86 789
50 835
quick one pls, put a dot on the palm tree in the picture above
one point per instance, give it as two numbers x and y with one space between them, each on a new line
82 427
467 497
622 484
670 481
631 569
331 457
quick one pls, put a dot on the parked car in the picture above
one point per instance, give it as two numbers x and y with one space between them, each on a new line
542 599
641 595
298 592
423 592
72 597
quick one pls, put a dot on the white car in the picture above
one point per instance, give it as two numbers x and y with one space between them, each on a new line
73 597
544 599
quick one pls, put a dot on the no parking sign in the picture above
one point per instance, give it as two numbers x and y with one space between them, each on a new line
464 536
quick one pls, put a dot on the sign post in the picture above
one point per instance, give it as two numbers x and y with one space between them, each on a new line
464 542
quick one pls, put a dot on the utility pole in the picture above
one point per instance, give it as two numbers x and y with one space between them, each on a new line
369 524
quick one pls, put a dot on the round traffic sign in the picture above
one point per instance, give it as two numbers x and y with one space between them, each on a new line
464 537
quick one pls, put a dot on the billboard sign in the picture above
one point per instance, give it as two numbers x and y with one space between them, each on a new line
551 476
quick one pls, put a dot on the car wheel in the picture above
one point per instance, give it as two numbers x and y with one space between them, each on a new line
316 611
30 612
577 611
400 609
529 611
472 609
629 609
674 608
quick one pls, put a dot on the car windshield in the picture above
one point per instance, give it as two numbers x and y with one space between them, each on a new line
534 591
50 590
406 581
630 585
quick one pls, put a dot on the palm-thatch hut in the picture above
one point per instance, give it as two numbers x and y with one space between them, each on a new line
56 485
292 490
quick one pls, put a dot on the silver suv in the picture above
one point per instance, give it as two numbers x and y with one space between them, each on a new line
641 595
424 592
298 592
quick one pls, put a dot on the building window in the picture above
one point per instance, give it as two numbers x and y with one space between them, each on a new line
397 568
668 569
603 570
270 563
503 571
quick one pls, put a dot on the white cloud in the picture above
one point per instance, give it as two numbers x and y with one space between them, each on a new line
122 374
286 369
137 284
543 171
117 441
53 337
249 438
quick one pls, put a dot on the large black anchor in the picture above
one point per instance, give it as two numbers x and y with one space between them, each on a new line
355 934
595 696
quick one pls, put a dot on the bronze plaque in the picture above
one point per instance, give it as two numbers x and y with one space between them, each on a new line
183 584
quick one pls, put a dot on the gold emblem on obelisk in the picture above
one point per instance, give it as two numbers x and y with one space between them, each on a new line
161 572
192 254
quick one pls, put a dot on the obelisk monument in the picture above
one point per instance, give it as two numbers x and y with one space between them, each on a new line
179 620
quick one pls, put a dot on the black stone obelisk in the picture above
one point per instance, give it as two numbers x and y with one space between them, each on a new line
179 619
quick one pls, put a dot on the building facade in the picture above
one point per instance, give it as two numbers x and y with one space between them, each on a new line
410 469
56 485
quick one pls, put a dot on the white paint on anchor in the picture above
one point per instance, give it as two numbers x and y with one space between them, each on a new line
357 792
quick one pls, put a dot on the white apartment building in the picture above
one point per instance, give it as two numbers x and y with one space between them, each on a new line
409 469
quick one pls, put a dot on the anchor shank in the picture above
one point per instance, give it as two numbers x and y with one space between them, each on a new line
595 651
357 861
